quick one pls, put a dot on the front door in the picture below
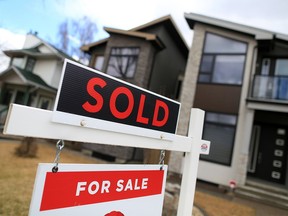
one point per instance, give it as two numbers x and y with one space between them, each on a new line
268 153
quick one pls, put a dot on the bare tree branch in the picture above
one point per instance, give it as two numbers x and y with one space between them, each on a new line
75 33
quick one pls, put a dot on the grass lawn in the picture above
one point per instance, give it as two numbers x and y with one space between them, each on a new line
17 174
17 180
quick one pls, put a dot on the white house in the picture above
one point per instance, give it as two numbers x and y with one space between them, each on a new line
32 77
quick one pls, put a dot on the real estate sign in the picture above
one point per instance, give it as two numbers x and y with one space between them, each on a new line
90 98
98 190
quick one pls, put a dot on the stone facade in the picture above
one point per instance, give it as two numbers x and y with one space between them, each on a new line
188 93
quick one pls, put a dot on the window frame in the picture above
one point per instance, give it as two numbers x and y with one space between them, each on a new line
136 56
29 67
277 60
214 55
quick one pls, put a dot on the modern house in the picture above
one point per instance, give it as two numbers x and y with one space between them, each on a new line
32 77
152 56
239 76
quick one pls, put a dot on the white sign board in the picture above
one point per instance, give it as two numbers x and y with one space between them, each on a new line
98 190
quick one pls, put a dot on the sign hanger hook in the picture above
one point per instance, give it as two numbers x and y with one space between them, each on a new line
59 146
161 159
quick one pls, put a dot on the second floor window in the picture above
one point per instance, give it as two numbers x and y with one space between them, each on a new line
123 62
222 61
281 68
30 64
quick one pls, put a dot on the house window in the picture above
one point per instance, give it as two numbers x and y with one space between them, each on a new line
99 60
7 98
30 64
45 103
265 69
222 61
20 97
281 68
122 62
220 130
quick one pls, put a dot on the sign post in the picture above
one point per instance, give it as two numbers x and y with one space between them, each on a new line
143 120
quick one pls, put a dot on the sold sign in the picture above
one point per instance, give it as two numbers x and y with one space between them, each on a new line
93 99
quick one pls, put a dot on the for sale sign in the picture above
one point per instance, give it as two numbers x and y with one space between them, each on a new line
99 190
89 98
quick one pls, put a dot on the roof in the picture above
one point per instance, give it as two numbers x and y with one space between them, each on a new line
29 78
97 43
259 34
166 20
147 36
35 52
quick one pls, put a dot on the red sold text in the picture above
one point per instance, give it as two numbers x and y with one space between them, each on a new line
124 114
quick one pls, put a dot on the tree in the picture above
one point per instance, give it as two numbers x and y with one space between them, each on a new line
75 33
64 37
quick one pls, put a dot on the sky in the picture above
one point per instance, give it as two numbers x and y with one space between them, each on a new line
18 17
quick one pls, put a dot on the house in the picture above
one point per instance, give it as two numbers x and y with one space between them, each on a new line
32 77
239 76
152 56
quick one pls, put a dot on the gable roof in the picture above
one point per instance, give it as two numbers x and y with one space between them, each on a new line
259 34
28 78
147 36
35 51
170 24
167 21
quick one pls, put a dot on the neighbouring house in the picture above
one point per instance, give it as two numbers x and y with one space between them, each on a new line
239 76
152 56
32 77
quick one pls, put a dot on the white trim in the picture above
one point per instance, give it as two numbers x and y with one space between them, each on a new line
268 106
260 34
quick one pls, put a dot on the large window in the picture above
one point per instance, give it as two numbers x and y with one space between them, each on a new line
220 130
123 62
222 61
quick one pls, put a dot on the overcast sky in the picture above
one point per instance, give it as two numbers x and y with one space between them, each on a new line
17 17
